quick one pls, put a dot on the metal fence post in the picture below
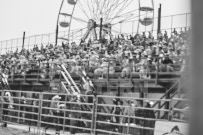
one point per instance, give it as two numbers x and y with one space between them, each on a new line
64 120
157 72
40 112
128 128
186 19
108 71
2 103
171 111
171 24
94 115
19 107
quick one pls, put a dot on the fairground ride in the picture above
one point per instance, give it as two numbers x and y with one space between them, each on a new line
99 19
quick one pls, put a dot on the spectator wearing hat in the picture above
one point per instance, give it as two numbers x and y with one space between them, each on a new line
54 111
129 111
74 106
148 114
117 110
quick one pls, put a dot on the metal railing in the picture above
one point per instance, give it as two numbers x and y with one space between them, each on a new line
129 115
87 70
170 22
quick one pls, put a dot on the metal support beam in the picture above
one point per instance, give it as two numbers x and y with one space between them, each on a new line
159 20
23 40
57 23
100 32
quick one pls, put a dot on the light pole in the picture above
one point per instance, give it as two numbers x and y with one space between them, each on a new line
57 23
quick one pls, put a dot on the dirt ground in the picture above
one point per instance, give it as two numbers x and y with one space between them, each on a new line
11 131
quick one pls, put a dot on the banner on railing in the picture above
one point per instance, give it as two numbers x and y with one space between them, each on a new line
170 128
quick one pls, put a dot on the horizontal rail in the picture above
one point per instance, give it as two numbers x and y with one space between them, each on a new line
66 114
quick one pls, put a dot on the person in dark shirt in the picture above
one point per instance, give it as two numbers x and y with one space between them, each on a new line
167 65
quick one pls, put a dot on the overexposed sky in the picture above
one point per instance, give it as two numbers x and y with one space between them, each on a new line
39 16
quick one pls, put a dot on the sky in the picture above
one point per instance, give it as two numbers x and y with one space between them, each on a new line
39 16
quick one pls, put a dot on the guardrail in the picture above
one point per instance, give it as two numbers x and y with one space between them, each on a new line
119 115
170 22
45 73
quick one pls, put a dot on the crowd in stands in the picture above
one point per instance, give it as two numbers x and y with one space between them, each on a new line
141 53
125 54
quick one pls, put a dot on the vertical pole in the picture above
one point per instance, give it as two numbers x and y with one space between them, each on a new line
179 88
157 73
64 115
186 19
42 38
133 27
17 44
23 39
153 16
108 71
6 45
35 40
171 112
171 23
19 107
100 32
28 43
119 90
128 128
93 125
159 20
2 103
57 23
138 27
40 111
49 39
11 44
120 27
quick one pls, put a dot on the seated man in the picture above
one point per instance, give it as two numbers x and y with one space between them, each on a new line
126 67
166 64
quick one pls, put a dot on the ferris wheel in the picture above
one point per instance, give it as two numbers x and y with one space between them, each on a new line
98 19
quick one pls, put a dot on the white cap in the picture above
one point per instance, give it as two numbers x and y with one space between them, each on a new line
56 97
62 105
7 94
151 103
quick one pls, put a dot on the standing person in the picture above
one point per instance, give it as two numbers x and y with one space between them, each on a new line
55 111
148 114
129 111
22 108
74 107
5 106
35 110
117 110
88 91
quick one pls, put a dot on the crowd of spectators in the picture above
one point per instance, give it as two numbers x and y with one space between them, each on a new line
140 53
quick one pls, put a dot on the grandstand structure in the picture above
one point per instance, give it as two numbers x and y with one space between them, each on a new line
47 89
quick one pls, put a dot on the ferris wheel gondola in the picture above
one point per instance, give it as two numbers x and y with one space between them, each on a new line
87 15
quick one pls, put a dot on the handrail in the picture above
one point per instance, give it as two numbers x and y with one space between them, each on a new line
91 84
168 91
63 74
73 82
88 120
65 87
